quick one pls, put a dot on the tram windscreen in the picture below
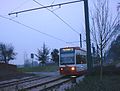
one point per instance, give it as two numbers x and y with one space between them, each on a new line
67 58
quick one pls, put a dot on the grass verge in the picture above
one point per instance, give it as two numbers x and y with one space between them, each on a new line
45 68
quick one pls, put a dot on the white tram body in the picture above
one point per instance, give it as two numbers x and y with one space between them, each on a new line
72 61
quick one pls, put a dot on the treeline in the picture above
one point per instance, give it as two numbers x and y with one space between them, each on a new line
42 55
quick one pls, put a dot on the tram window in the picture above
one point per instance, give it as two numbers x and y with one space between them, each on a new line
67 58
80 59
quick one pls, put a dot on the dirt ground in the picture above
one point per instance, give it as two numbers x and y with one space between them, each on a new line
8 71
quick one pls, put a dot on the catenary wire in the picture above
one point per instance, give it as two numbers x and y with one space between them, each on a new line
58 17
52 2
23 3
28 10
33 28
26 1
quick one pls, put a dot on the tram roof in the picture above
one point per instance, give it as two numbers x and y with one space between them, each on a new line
75 48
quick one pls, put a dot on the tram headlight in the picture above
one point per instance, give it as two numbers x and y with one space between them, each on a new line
61 69
73 68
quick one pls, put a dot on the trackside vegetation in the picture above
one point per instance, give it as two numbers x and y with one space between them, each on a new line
45 68
92 82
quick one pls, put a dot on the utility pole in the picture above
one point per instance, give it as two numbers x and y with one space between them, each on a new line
88 43
80 41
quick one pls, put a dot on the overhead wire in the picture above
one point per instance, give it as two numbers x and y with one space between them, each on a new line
58 17
60 4
52 2
37 29
56 9
23 3
33 28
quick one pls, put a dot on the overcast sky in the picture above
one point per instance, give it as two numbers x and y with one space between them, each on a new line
42 21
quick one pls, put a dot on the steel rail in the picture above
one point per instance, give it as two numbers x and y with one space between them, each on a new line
12 83
48 84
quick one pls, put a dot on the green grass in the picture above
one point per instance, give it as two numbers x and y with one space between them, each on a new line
45 68
92 82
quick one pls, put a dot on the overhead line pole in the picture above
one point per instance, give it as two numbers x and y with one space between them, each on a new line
80 41
89 57
88 43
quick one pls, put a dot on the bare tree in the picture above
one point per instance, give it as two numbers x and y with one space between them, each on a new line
103 27
7 53
42 54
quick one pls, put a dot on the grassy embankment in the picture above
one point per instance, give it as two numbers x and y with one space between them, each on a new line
92 82
45 68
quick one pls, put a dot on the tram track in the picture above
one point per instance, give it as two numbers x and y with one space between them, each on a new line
49 84
57 84
36 83
16 82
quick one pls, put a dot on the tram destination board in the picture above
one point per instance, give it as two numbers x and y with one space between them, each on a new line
64 50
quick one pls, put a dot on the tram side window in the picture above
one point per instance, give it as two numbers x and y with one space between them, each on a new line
80 59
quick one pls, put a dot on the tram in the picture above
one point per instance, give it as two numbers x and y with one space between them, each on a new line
72 61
